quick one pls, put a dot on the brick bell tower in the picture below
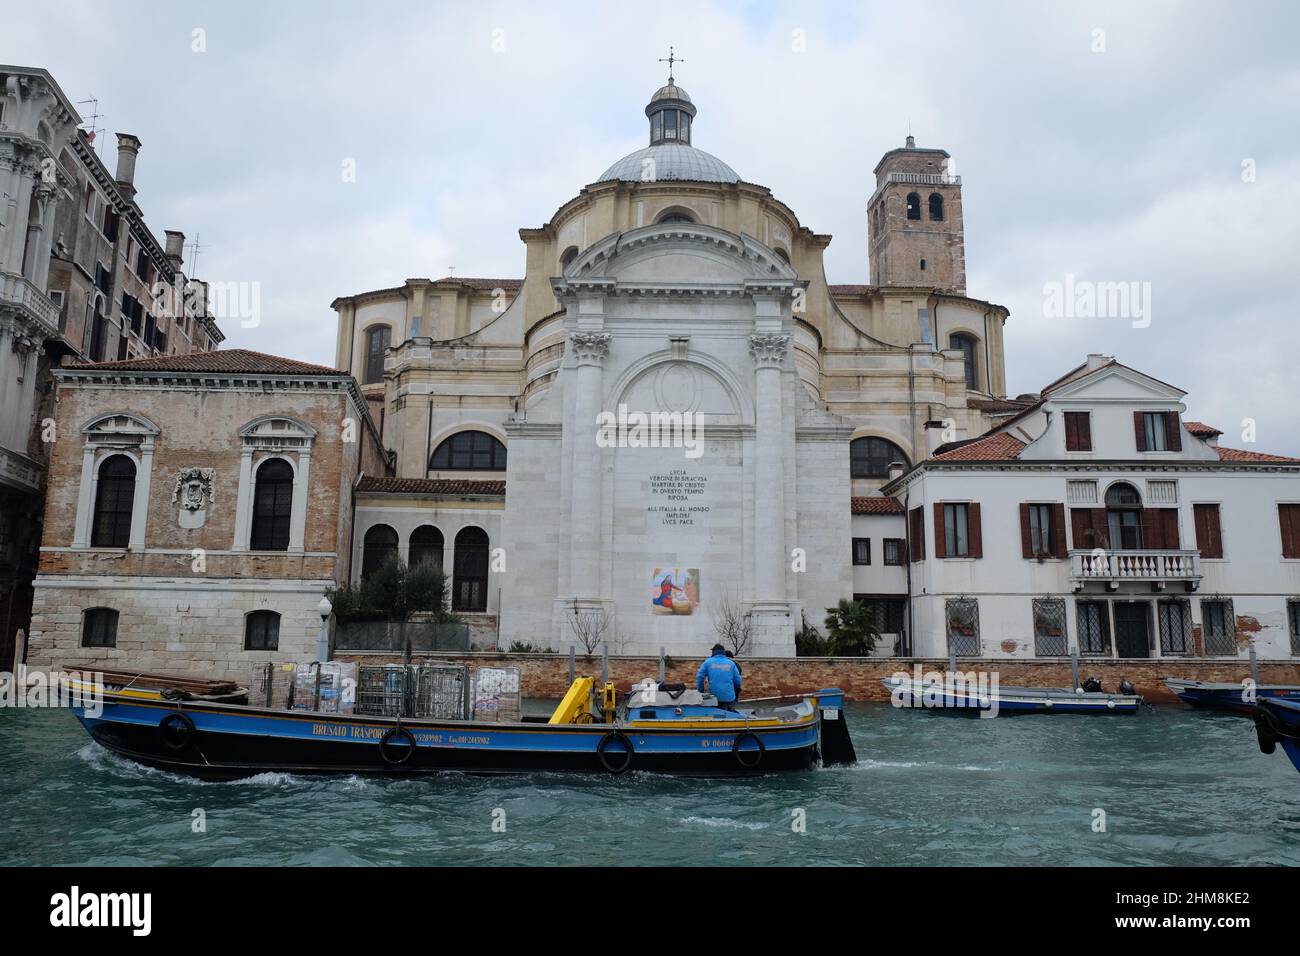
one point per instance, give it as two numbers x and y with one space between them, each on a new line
916 236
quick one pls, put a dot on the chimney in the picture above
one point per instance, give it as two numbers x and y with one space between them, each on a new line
128 147
911 141
1096 361
176 249
896 469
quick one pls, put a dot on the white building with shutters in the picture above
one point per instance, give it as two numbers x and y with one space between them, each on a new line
1099 519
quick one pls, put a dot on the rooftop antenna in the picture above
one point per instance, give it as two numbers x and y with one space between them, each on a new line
670 59
95 117
195 246
451 270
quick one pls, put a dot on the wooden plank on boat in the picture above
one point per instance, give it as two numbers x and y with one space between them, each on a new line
192 685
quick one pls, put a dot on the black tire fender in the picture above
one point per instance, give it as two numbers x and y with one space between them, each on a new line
388 738
602 751
177 730
740 754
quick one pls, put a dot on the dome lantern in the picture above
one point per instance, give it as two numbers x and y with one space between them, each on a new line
670 110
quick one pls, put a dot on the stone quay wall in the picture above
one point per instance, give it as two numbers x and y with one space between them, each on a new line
547 675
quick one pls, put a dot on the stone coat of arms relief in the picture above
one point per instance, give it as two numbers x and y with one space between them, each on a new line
193 493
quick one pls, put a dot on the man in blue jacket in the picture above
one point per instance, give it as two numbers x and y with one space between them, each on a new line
723 677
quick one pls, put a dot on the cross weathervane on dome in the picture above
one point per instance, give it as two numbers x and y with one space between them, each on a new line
670 59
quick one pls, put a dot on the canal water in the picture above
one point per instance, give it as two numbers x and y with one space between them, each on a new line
1175 786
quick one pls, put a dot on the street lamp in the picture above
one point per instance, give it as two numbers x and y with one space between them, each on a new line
323 639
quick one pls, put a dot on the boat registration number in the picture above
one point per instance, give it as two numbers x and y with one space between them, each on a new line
831 713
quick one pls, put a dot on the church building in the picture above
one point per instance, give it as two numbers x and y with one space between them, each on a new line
673 417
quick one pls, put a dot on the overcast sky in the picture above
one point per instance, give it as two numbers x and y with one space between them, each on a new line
1111 142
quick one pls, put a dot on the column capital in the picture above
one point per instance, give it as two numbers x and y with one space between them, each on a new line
589 348
768 349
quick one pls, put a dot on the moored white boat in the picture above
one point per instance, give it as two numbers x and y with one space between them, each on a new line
949 695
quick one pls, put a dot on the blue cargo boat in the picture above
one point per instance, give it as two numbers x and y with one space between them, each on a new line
1238 698
659 727
1277 721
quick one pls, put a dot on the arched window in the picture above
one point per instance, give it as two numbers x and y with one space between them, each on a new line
262 631
936 207
913 206
569 255
272 506
675 216
922 265
782 255
114 498
379 544
469 586
426 546
969 348
469 451
377 341
871 457
1124 516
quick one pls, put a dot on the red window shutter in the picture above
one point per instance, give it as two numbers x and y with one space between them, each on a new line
1058 530
1078 432
1209 536
1026 543
939 533
1173 432
916 533
1100 528
974 530
1289 516
1084 537
1152 529
1169 528
1140 431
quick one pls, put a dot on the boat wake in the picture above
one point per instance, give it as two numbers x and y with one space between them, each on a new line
724 823
868 764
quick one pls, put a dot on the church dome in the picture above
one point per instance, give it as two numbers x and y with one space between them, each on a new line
670 155
670 92
672 161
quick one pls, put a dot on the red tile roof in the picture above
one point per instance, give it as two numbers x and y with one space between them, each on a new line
1237 454
433 486
485 285
230 361
1202 430
999 447
851 289
876 505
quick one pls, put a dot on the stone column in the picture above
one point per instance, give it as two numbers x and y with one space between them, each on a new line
589 350
768 351
85 498
298 508
140 505
243 499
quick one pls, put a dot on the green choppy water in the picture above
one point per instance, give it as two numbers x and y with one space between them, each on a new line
1177 787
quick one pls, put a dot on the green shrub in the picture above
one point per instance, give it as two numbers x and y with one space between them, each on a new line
395 592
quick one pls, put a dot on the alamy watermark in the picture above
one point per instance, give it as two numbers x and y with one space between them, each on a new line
41 689
946 690
628 429
1085 299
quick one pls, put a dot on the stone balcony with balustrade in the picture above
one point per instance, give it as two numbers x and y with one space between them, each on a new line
1157 568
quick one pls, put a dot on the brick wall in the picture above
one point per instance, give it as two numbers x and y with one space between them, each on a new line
547 675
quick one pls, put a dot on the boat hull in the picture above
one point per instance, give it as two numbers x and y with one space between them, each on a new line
1007 701
1227 697
223 742
1277 721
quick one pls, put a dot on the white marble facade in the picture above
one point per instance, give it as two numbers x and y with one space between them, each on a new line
680 319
